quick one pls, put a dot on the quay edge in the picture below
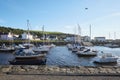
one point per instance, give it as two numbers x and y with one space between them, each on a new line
65 70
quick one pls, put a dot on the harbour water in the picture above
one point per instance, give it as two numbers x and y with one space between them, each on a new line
61 56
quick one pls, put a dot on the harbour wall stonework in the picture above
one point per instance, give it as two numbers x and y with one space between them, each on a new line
66 70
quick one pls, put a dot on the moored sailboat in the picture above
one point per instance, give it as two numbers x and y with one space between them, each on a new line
28 56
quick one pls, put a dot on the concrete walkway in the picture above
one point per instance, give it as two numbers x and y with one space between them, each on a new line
52 77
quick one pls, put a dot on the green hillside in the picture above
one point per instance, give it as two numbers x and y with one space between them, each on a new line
38 33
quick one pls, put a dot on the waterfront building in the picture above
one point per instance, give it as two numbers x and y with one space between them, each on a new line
100 39
27 36
52 37
71 39
6 36
78 39
86 39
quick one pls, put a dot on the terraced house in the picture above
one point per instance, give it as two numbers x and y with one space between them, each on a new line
6 36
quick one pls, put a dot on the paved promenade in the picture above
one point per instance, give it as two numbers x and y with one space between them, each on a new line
49 77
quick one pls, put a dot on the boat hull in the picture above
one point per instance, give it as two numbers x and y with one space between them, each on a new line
87 55
28 62
30 57
40 51
11 50
104 61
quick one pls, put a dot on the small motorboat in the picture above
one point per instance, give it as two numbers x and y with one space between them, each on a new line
42 49
20 46
106 58
75 49
87 53
112 45
69 46
4 48
52 45
28 45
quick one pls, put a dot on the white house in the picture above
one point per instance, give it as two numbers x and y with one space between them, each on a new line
74 38
86 38
52 38
26 36
70 39
100 39
6 36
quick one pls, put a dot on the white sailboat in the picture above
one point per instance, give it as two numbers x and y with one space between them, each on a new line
24 56
42 48
77 45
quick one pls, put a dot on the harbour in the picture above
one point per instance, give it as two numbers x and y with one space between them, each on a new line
60 40
61 56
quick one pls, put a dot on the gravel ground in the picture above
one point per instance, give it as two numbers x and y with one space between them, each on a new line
48 77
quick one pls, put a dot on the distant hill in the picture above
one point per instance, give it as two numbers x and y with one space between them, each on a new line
9 29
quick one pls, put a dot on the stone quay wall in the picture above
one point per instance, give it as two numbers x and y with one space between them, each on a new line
57 70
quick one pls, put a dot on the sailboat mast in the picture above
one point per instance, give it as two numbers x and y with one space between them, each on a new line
43 33
109 36
75 35
79 33
90 32
28 31
114 35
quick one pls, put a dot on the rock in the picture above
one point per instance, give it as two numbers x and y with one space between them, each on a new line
42 68
4 70
22 70
82 68
17 68
102 70
93 70
81 72
110 70
50 69
57 69
29 67
118 71
63 70
69 71
33 67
